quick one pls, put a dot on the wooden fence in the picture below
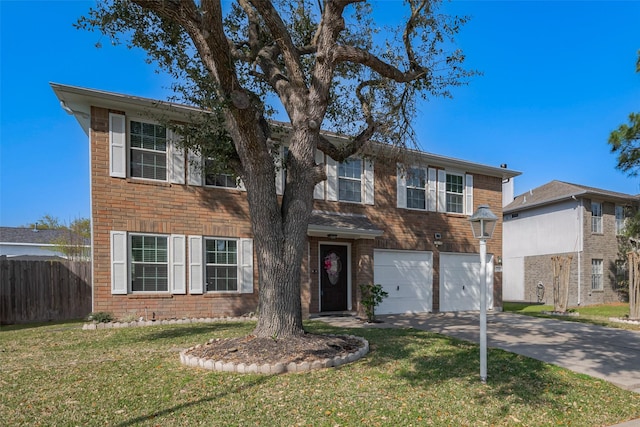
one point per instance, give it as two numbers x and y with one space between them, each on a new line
41 291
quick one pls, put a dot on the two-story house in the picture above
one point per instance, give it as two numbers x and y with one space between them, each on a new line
172 240
563 219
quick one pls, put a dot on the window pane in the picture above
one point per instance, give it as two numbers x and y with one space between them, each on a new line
148 151
349 190
454 203
350 168
149 264
415 198
222 270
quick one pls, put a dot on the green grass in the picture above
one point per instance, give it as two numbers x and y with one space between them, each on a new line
60 375
592 314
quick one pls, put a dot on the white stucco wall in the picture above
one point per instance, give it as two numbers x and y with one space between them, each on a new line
550 229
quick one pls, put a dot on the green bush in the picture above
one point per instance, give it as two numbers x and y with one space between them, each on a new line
100 317
372 296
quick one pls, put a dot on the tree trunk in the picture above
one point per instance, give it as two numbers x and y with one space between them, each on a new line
280 235
634 285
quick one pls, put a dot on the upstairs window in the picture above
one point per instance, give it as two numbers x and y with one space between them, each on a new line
350 180
455 193
596 217
148 155
416 188
149 263
620 220
225 180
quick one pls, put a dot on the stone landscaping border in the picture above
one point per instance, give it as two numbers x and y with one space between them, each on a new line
622 320
272 369
140 323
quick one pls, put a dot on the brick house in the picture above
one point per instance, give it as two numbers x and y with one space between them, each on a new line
564 219
170 241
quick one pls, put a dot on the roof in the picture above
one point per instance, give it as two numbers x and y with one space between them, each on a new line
344 225
29 236
78 101
557 191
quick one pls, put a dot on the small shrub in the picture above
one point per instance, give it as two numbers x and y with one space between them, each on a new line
372 296
100 317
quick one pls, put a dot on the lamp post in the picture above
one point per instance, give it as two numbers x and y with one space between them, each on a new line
483 222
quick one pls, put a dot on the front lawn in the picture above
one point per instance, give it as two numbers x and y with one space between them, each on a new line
58 374
593 314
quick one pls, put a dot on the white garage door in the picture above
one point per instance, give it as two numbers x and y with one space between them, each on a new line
407 276
460 282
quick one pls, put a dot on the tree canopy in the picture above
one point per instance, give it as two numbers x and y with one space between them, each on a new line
325 64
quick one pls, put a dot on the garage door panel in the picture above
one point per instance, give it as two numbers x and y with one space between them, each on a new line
460 282
407 277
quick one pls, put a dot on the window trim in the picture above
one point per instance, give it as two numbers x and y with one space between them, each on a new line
129 148
130 263
351 179
620 220
424 189
596 220
597 274
205 264
462 194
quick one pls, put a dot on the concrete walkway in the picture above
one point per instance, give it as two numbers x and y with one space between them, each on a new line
606 353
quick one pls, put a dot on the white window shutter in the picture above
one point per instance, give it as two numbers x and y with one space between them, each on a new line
119 264
442 191
279 163
117 145
196 267
332 179
246 266
195 176
432 193
177 264
468 192
369 191
176 165
401 186
318 190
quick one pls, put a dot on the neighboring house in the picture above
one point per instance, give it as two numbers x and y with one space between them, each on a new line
564 219
170 241
33 243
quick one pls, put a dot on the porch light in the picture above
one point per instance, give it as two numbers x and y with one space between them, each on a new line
483 222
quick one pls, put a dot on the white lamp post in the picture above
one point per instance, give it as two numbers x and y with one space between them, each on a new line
483 222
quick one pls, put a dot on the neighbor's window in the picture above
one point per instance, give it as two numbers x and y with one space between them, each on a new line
596 217
596 275
222 265
620 220
149 263
350 180
416 192
455 193
148 144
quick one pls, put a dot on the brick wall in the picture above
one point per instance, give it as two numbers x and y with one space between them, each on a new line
140 206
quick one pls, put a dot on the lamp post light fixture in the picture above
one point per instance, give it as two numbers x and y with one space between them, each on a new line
483 222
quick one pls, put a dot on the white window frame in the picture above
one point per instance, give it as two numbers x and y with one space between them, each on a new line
596 217
451 193
620 220
597 273
227 176
422 188
359 180
130 150
207 264
167 263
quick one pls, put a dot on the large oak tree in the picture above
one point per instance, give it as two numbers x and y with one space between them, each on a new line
325 64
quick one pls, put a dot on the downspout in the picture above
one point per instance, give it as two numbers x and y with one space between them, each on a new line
580 247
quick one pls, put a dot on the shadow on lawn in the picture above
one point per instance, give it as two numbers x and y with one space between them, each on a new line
214 398
425 359
219 329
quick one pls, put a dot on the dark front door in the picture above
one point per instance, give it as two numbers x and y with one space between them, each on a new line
334 271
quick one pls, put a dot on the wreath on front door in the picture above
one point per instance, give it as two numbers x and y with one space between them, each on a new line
333 267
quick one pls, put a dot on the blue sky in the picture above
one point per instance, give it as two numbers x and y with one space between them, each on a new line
558 78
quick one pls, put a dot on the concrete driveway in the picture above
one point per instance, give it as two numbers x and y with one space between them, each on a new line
607 353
